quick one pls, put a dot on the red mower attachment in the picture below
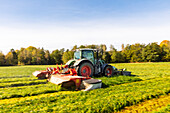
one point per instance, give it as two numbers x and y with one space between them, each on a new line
67 81
67 78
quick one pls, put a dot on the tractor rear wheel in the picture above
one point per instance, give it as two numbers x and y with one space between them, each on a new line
85 69
108 71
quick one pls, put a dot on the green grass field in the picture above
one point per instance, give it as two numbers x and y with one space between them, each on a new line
20 91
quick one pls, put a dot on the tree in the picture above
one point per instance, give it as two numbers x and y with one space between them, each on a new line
74 47
82 46
133 53
106 57
92 46
165 43
123 47
34 57
165 46
112 48
62 51
22 59
117 57
31 48
67 56
152 53
11 58
47 57
127 52
136 52
31 55
2 59
42 56
103 47
56 57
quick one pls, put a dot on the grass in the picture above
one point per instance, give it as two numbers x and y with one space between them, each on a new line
20 91
108 99
164 110
147 70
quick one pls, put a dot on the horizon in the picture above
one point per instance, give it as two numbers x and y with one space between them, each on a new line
63 24
107 48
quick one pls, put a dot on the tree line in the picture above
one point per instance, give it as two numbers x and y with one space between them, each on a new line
151 52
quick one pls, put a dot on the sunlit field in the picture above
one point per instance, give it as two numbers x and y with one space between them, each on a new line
20 91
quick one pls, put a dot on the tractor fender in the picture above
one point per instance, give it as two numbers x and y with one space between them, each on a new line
70 62
78 62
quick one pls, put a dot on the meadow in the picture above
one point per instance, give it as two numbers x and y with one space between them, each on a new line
20 91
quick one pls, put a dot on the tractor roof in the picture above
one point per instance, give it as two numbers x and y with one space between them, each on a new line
86 49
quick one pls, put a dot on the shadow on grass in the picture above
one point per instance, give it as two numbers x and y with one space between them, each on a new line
23 84
28 94
22 76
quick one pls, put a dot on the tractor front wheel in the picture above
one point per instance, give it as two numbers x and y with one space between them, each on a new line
108 71
86 69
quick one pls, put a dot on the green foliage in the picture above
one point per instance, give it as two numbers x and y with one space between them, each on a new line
2 59
11 58
33 56
152 53
133 53
106 57
130 53
67 56
165 53
116 56
56 57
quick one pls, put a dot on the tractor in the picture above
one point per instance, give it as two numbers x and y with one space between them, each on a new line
87 63
79 70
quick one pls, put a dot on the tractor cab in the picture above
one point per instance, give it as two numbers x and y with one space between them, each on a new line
84 54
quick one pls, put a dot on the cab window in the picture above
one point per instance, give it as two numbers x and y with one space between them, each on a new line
77 55
88 55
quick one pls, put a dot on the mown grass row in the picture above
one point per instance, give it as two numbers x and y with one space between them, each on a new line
23 91
22 83
28 88
108 99
8 80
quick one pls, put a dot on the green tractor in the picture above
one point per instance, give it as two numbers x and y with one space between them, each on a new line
87 63
78 71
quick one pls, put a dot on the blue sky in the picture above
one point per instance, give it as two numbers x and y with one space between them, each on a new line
56 24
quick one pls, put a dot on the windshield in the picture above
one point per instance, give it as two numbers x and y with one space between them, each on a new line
88 55
77 55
